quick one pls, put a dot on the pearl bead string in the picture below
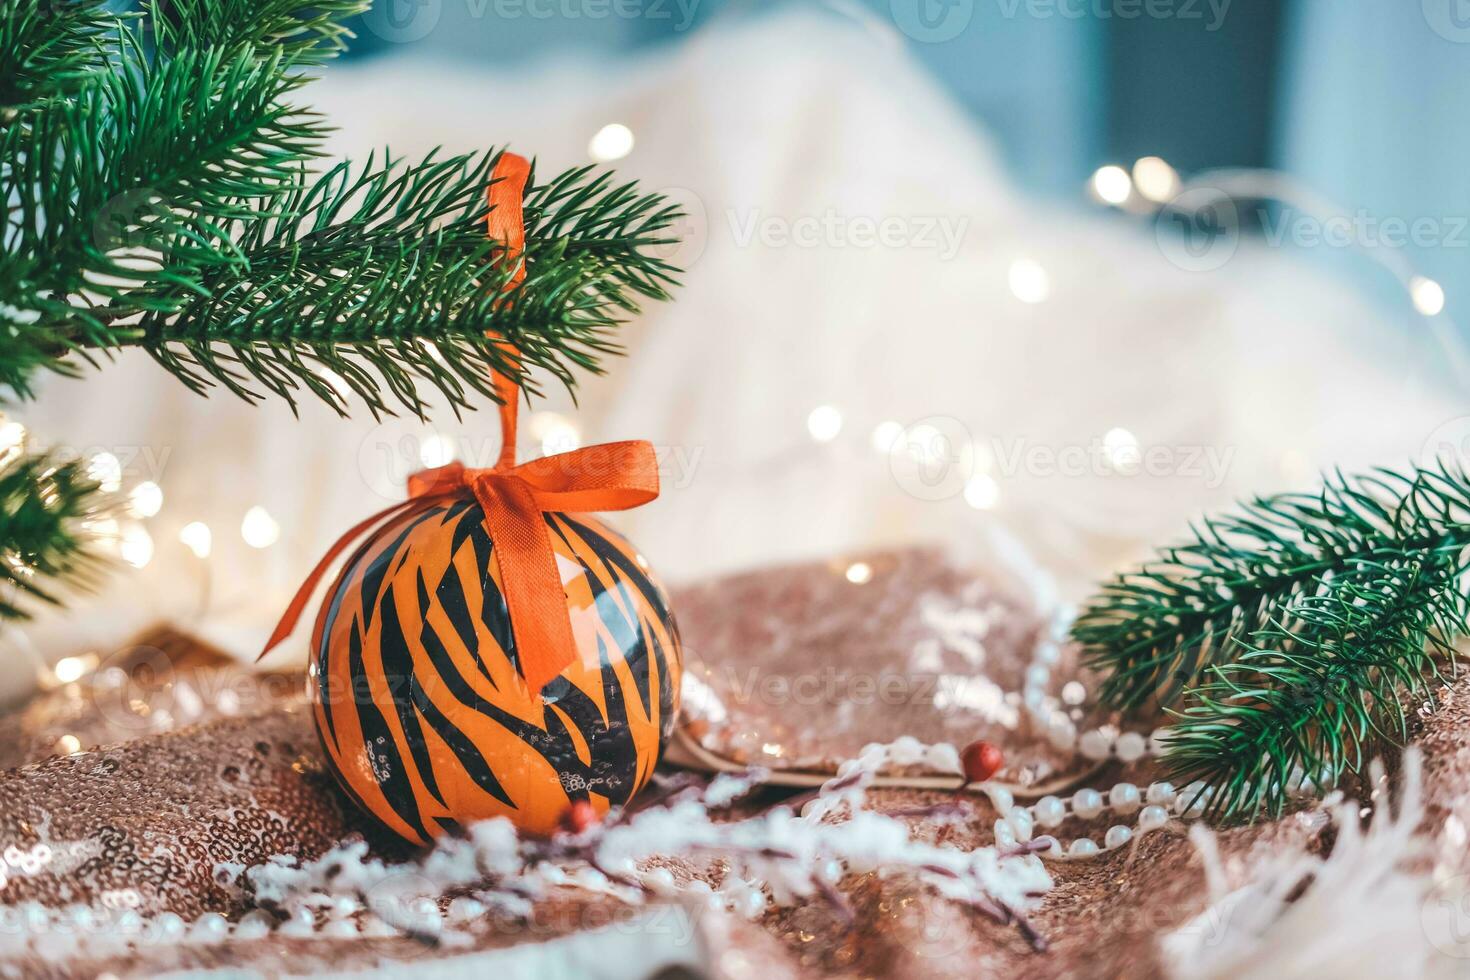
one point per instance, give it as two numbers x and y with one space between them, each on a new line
1097 744
1016 825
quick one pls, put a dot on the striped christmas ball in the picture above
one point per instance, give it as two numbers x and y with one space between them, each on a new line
418 696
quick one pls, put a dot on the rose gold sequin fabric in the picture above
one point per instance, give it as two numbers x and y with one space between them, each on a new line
799 667
152 823
149 824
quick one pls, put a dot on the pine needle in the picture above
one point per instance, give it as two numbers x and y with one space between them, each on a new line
1292 636
165 199
44 507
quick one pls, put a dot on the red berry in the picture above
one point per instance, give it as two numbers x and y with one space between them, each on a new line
981 761
578 817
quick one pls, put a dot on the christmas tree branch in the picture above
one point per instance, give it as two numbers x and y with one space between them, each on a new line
48 48
363 281
44 505
305 32
166 205
1290 635
110 183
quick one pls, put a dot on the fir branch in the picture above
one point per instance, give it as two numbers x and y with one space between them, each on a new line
44 506
166 204
48 48
368 279
1291 635
112 184
305 32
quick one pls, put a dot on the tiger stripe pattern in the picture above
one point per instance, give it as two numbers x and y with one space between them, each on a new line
418 696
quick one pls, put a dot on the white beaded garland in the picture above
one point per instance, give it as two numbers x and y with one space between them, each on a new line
1082 847
1021 824
1049 811
1017 825
943 757
1161 793
1087 803
906 750
1152 817
1123 797
211 927
1130 746
1061 732
255 924
1192 800
1000 798
1095 745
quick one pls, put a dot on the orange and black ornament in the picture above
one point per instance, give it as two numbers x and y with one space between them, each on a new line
488 648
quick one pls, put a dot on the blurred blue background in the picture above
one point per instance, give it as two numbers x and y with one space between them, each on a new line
1363 102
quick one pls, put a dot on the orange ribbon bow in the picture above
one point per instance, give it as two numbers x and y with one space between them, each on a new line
514 497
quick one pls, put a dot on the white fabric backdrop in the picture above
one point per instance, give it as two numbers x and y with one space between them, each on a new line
1242 379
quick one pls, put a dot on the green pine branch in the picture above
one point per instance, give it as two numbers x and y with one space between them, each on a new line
44 507
362 282
109 181
48 49
166 205
1292 636
160 195
304 32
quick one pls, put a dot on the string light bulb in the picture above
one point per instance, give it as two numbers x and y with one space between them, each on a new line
1121 447
335 381
197 537
555 432
1111 184
136 546
437 450
12 437
982 492
1028 281
259 528
1428 295
824 423
859 573
612 142
105 468
69 669
1155 179
146 499
885 434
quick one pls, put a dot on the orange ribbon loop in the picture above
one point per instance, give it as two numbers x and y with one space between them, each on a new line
516 497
